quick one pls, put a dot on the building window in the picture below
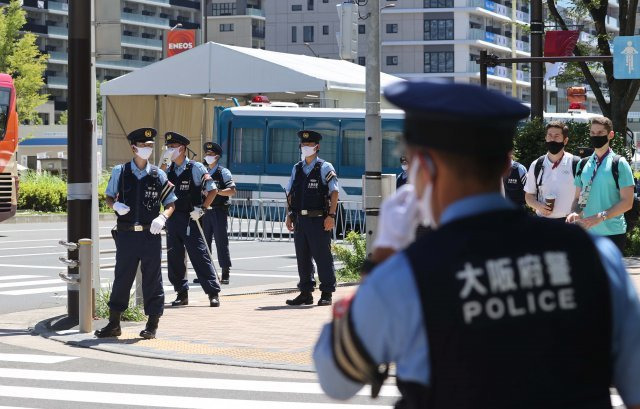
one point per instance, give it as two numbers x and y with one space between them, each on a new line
363 61
223 9
392 60
392 28
307 34
438 29
325 1
361 28
309 4
438 61
226 27
438 4
294 34
296 7
325 30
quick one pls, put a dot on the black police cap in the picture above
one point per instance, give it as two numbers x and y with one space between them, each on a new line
142 135
309 136
457 117
174 137
213 147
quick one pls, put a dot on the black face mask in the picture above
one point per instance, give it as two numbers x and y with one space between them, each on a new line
554 147
599 141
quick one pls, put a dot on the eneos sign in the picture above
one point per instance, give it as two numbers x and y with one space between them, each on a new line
179 41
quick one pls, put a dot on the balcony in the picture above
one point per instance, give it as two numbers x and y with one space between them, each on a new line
56 81
186 3
479 34
58 31
62 8
498 9
58 57
140 42
501 71
139 18
612 23
129 65
161 3
255 12
257 32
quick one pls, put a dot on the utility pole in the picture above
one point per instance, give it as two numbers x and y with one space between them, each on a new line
372 125
80 131
203 23
537 31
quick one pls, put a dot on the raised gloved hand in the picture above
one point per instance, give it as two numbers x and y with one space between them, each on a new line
121 208
157 224
165 159
398 219
196 213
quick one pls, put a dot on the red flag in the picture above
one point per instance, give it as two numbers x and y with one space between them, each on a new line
560 43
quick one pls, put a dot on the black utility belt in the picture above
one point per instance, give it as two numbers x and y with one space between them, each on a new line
312 213
223 207
132 227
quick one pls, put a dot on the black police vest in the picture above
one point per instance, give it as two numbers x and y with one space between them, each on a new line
141 195
189 195
219 200
513 186
308 192
518 315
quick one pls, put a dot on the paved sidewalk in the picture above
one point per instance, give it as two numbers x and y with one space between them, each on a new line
253 327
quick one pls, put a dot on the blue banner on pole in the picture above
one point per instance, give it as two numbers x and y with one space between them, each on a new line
626 57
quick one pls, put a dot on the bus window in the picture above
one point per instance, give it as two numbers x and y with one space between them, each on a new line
283 146
5 95
248 146
328 148
390 153
352 148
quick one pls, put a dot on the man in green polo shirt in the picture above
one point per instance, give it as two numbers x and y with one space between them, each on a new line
599 204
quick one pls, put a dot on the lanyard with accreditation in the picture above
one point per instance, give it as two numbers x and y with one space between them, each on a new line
586 191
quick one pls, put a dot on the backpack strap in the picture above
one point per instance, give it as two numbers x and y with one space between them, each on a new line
581 164
536 173
574 164
615 171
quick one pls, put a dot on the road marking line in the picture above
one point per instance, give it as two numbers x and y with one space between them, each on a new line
28 248
179 382
36 359
26 241
32 266
39 230
35 291
33 254
29 283
18 276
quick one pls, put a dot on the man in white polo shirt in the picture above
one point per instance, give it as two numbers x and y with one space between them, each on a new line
549 189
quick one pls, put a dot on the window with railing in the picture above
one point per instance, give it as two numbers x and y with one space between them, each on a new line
223 9
438 4
438 62
438 29
226 27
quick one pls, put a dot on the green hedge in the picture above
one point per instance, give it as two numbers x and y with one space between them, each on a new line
44 192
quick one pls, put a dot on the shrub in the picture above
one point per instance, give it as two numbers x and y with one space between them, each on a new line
352 257
132 313
633 243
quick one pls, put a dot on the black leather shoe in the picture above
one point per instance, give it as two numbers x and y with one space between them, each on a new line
304 298
196 280
325 299
225 276
112 329
149 332
214 300
182 298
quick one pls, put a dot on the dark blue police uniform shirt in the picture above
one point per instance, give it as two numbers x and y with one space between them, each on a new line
324 171
112 186
390 293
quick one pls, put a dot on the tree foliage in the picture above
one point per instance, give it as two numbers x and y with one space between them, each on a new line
621 92
21 58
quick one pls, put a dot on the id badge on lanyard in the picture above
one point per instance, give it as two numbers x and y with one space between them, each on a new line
586 191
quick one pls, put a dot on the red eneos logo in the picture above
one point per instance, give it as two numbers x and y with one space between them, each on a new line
179 41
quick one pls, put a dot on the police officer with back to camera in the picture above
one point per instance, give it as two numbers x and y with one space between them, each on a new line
215 217
184 229
402 177
514 181
312 195
471 317
135 192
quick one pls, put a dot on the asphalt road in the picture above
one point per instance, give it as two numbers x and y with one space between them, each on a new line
29 265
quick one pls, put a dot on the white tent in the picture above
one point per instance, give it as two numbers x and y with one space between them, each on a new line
220 69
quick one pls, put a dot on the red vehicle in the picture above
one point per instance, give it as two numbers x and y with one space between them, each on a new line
8 147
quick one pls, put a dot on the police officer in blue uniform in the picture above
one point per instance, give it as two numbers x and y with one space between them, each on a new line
514 182
184 229
402 177
312 194
215 218
471 317
135 192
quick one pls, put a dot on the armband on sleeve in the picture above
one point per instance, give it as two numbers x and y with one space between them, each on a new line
349 353
167 189
331 175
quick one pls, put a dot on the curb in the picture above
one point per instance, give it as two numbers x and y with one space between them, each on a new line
50 218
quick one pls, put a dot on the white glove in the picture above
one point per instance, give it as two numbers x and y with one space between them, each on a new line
166 157
157 224
196 213
121 208
398 219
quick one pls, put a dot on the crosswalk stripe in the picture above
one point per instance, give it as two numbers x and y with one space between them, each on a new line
30 283
32 266
179 382
59 253
36 359
160 401
35 290
28 248
18 276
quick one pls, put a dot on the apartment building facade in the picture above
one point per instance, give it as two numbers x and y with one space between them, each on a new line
238 22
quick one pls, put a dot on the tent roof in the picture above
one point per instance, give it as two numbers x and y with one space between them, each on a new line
214 68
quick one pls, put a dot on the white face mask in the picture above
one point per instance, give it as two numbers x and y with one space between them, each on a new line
424 203
405 168
175 152
144 153
308 151
210 159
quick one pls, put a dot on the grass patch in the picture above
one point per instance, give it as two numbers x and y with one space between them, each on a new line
132 313
351 255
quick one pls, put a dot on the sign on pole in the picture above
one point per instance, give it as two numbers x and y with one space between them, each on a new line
626 57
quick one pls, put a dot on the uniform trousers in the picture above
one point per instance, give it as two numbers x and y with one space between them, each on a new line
132 248
313 242
182 232
214 223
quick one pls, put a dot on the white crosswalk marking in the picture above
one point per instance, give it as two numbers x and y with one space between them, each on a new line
35 290
17 276
30 283
36 359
